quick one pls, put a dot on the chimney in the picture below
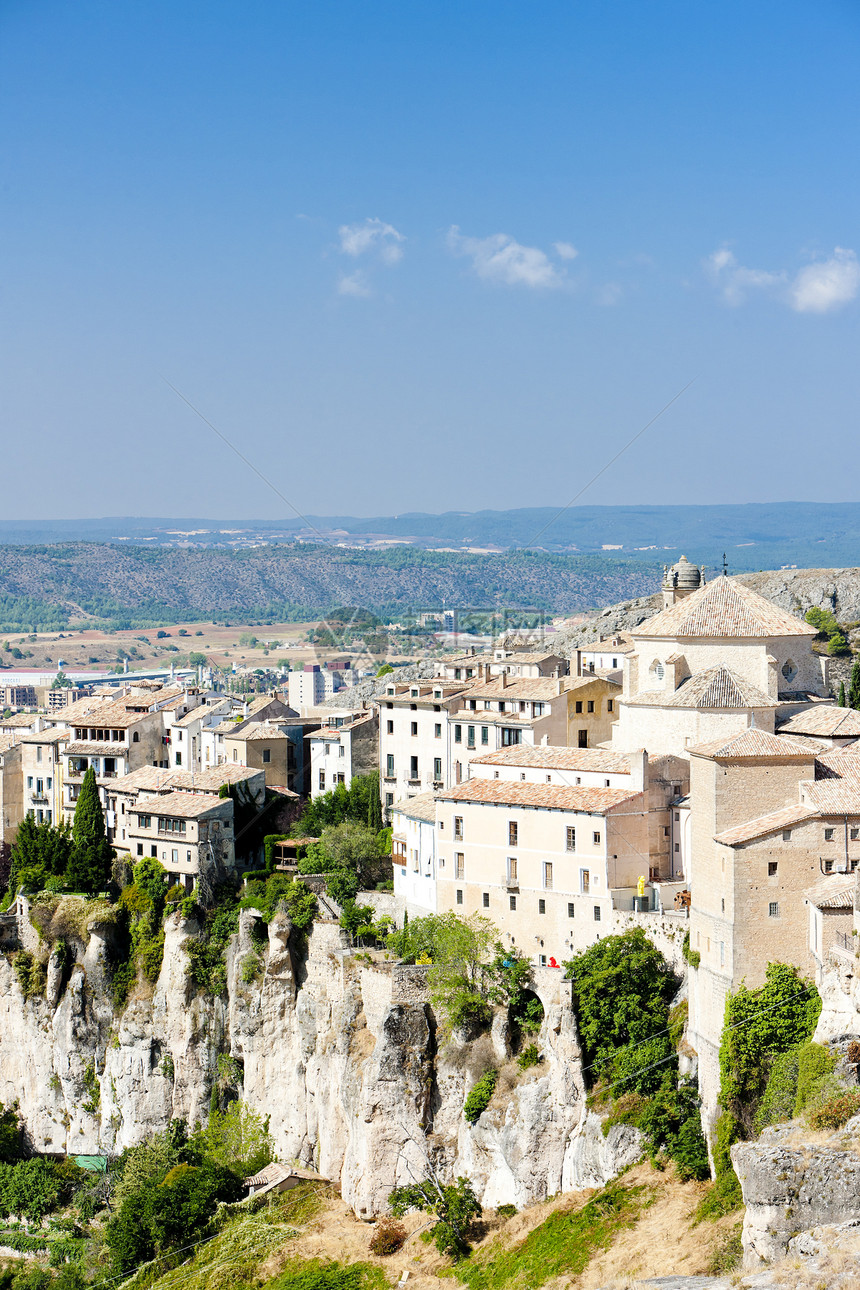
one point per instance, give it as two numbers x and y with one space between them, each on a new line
503 677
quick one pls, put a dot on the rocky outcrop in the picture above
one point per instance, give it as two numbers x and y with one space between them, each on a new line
344 1057
791 1186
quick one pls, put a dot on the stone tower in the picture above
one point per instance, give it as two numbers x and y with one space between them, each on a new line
680 580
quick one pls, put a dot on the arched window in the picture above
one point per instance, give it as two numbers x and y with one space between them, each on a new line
135 739
657 670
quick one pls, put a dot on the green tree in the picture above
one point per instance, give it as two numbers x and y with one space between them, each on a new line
90 865
238 1139
841 700
837 644
622 989
854 687
455 1206
41 852
462 977
385 670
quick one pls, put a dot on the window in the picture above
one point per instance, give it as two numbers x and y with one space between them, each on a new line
470 737
596 839
579 706
389 800
413 728
590 705
828 835
485 734
413 767
510 737
437 767
855 834
512 901
583 739
459 864
597 913
341 751
614 664
458 828
722 904
584 881
174 856
541 960
570 835
473 703
437 730
610 705
678 848
722 953
513 831
30 781
828 866
789 670
267 756
606 783
322 781
786 835
144 821
459 895
179 758
512 870
458 734
771 868
541 906
547 875
140 848
773 909
389 726
153 851
571 909
135 739
389 765
486 900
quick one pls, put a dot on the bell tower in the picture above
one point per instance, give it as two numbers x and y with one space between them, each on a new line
681 580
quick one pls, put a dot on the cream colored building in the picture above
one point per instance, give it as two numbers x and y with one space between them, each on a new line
548 864
716 661
42 775
11 785
766 831
149 781
414 753
190 834
344 746
414 854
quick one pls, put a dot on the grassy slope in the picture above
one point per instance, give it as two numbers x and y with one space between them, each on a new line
641 1225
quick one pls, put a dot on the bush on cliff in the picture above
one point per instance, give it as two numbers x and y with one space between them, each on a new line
455 1206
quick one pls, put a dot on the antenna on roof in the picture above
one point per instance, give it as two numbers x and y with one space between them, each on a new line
725 566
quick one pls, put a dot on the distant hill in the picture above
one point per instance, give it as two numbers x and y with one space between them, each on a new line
754 536
133 585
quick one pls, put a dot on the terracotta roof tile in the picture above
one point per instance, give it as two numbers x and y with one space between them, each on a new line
498 792
556 758
757 743
724 608
420 807
824 719
774 822
836 892
715 687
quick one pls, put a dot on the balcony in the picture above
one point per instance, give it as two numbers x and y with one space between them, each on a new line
510 881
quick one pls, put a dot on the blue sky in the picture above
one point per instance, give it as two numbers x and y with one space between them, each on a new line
427 256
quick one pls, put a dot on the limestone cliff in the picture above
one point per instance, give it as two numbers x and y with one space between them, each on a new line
343 1056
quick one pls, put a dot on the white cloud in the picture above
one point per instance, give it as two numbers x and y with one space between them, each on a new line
817 288
499 258
372 236
565 251
354 284
827 284
734 280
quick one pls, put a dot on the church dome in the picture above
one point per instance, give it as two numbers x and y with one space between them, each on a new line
685 576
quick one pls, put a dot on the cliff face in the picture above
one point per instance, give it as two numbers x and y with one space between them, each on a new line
343 1057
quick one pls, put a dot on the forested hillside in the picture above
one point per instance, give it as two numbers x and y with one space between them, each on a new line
53 585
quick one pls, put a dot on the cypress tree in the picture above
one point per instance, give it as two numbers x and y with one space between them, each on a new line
90 864
841 700
854 687
374 805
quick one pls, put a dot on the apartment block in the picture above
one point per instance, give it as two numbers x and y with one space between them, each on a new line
347 744
414 751
546 863
414 854
190 834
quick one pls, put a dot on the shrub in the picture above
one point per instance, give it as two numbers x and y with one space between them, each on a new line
814 1064
852 1053
479 1096
530 1056
455 1206
693 957
835 1112
780 1095
507 1211
388 1237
